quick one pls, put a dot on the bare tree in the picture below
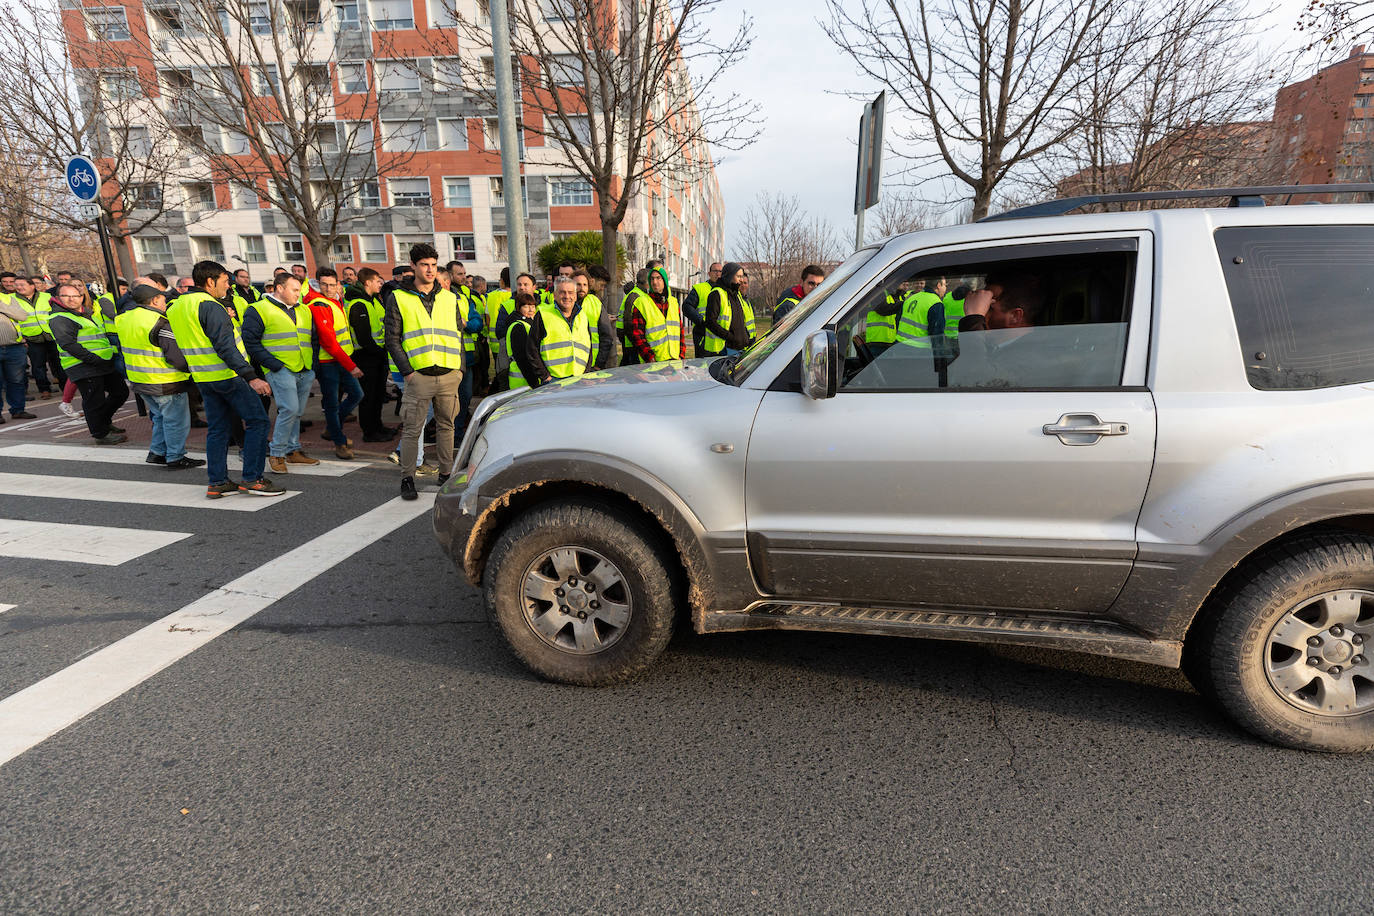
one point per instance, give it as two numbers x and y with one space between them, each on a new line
1327 22
897 213
629 93
1193 114
993 84
55 111
778 238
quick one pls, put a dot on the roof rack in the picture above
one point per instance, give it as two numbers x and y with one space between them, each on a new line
1240 197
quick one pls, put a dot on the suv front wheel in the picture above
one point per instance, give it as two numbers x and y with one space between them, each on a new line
1288 649
581 593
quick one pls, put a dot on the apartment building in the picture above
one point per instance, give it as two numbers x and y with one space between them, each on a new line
1325 123
393 92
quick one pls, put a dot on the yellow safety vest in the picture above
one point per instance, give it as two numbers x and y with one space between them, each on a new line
881 329
36 324
430 338
567 346
143 359
495 309
517 378
343 332
90 334
105 308
205 363
286 336
591 305
664 330
913 326
375 312
711 343
467 302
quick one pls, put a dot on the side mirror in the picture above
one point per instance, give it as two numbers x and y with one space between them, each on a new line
820 365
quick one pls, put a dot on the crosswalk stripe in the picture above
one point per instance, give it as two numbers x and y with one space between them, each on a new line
106 455
7 607
80 543
41 710
171 495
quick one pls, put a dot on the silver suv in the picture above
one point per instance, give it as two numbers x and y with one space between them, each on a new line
1157 445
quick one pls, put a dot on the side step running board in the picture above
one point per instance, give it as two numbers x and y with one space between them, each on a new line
1092 636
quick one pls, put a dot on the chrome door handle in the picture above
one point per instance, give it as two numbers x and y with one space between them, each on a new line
1083 429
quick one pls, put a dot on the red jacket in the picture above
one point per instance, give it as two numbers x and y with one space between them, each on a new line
321 307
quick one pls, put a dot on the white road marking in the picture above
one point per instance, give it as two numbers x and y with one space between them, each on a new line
80 543
7 607
40 711
108 455
171 495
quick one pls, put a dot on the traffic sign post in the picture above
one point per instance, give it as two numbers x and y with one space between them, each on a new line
83 180
866 187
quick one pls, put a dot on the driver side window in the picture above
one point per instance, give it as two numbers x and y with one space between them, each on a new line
1034 317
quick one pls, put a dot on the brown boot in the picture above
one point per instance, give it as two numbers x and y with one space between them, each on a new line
300 457
278 465
344 452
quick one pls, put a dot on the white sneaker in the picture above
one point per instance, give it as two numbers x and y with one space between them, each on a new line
71 411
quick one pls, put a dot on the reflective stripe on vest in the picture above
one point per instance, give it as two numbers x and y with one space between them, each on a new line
954 310
430 338
913 327
517 378
286 336
567 347
35 324
664 331
90 335
143 360
494 310
468 307
343 334
711 343
375 311
105 307
591 305
205 363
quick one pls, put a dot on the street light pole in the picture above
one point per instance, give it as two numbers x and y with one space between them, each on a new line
510 142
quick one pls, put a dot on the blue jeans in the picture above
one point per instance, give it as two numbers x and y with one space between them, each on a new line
333 377
171 415
290 390
223 399
14 364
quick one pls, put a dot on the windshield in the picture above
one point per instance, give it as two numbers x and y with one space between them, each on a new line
764 346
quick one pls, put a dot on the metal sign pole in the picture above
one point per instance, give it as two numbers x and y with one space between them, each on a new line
861 186
510 142
111 273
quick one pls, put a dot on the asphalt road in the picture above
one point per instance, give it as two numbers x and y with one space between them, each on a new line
366 744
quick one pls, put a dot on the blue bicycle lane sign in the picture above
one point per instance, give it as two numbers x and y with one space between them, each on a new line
83 178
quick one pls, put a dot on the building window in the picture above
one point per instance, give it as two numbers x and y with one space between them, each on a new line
448 74
156 248
266 82
121 84
107 23
552 10
409 192
404 136
464 247
491 127
1363 100
305 14
292 248
342 249
236 143
145 196
388 15
358 137
166 19
260 18
498 198
457 192
404 242
368 195
565 70
570 192
208 247
453 133
326 137
136 141
254 251
199 195
397 76
352 76
581 131
347 13
373 247
444 14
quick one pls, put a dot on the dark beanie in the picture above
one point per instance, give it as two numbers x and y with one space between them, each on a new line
143 294
729 274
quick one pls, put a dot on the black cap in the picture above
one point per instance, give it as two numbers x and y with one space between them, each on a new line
144 293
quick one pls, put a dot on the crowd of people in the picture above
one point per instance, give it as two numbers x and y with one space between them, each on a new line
432 336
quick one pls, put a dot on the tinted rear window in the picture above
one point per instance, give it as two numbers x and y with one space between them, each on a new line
1303 298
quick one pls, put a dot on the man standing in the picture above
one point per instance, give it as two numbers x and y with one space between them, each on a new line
88 357
214 353
729 317
694 306
348 276
559 344
38 339
14 357
335 369
653 326
470 314
426 345
158 373
369 352
243 292
279 336
810 279
599 324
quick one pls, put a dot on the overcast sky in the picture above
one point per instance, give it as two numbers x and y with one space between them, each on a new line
808 145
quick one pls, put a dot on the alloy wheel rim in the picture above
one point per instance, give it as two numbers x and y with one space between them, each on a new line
1316 655
576 600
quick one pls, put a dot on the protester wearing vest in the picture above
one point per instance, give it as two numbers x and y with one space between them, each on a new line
471 316
693 307
498 305
214 352
812 276
424 342
335 368
279 336
14 355
524 283
729 318
369 352
599 322
559 343
43 354
922 318
653 323
88 359
158 373
880 326
243 293
515 348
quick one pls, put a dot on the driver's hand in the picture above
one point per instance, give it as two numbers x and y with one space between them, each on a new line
978 302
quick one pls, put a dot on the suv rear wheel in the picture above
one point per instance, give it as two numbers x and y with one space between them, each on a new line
1288 650
581 593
